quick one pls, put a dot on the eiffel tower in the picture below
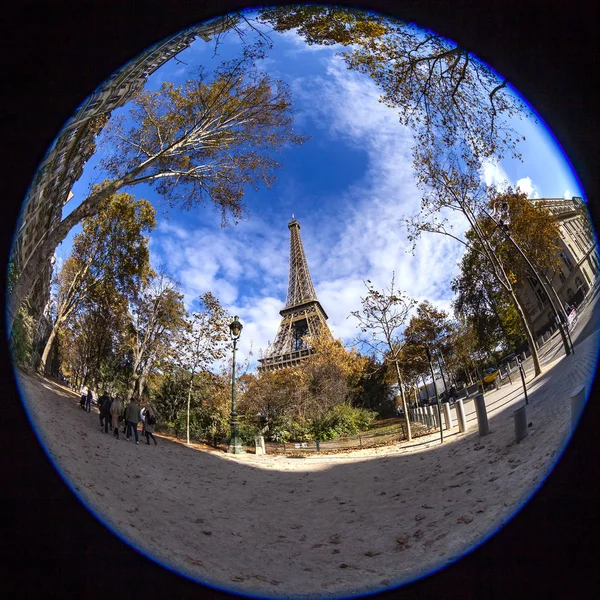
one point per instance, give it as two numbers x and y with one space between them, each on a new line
302 315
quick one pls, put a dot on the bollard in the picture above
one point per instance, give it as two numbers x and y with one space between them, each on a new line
577 404
430 421
482 420
318 443
460 416
447 415
520 416
259 442
497 382
435 416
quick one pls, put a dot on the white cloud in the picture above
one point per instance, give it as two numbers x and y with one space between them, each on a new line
373 243
300 46
494 175
526 185
247 266
567 195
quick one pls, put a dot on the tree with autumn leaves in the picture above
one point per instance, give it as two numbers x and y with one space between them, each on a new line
199 143
318 399
109 257
481 296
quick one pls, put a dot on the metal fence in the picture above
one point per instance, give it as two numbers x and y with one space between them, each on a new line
372 439
356 442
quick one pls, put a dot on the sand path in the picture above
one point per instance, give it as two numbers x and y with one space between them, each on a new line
311 527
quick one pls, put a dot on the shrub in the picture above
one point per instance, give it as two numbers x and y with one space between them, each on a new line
204 425
284 429
342 420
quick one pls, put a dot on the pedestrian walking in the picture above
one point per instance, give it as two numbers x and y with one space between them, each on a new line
101 400
88 399
143 418
132 418
150 423
105 402
116 413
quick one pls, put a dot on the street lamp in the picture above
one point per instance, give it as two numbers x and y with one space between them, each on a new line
501 216
235 445
437 397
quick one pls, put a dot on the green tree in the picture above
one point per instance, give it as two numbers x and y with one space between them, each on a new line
111 251
382 315
201 342
373 390
429 328
203 141
482 302
157 317
91 344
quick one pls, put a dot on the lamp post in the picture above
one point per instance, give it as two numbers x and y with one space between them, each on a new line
437 398
235 445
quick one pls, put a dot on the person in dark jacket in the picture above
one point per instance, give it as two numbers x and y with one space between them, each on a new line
105 402
88 399
132 418
149 425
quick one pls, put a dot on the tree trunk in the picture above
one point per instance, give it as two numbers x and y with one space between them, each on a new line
131 387
189 400
47 348
558 307
404 407
534 352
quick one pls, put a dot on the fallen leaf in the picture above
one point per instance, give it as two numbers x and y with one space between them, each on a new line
464 519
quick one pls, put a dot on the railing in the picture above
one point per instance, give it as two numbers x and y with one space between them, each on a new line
355 442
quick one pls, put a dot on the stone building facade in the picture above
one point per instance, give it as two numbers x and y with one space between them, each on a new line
579 263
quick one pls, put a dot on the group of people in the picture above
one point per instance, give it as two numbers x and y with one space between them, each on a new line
114 415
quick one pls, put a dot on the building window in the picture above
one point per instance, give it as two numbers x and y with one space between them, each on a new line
566 259
573 253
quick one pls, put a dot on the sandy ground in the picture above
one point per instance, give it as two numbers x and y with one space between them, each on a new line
319 526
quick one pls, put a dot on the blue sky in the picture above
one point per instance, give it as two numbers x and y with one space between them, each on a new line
348 186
